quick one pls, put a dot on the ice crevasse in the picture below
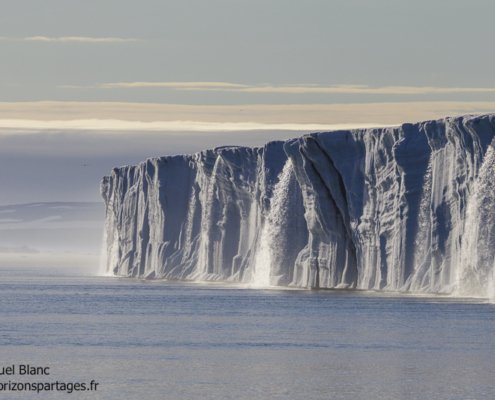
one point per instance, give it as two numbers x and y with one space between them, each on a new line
408 208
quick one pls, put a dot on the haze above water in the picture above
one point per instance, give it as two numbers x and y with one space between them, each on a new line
51 211
166 340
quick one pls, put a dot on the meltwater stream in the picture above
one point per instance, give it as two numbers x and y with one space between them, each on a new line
162 340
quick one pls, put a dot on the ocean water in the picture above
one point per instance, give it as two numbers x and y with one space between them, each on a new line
168 340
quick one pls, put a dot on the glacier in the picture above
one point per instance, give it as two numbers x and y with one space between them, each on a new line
408 208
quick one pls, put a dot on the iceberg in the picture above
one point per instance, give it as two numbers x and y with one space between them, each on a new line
408 208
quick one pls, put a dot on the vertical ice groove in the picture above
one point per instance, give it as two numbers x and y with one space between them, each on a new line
207 220
421 276
273 228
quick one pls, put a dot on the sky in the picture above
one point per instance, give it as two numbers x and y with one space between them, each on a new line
87 85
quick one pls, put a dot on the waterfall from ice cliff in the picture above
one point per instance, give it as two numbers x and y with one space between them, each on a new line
410 208
273 229
475 275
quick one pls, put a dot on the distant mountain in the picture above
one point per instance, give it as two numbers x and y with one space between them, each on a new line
50 212
51 227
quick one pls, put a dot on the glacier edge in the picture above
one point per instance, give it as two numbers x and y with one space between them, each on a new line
408 208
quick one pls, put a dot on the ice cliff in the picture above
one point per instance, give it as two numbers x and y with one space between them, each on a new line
409 208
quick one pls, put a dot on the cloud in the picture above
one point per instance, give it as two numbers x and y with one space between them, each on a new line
70 39
297 88
350 89
152 117
176 126
196 86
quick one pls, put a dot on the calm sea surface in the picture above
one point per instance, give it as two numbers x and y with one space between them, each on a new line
162 340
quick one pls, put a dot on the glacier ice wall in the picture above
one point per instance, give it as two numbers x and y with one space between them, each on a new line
409 208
